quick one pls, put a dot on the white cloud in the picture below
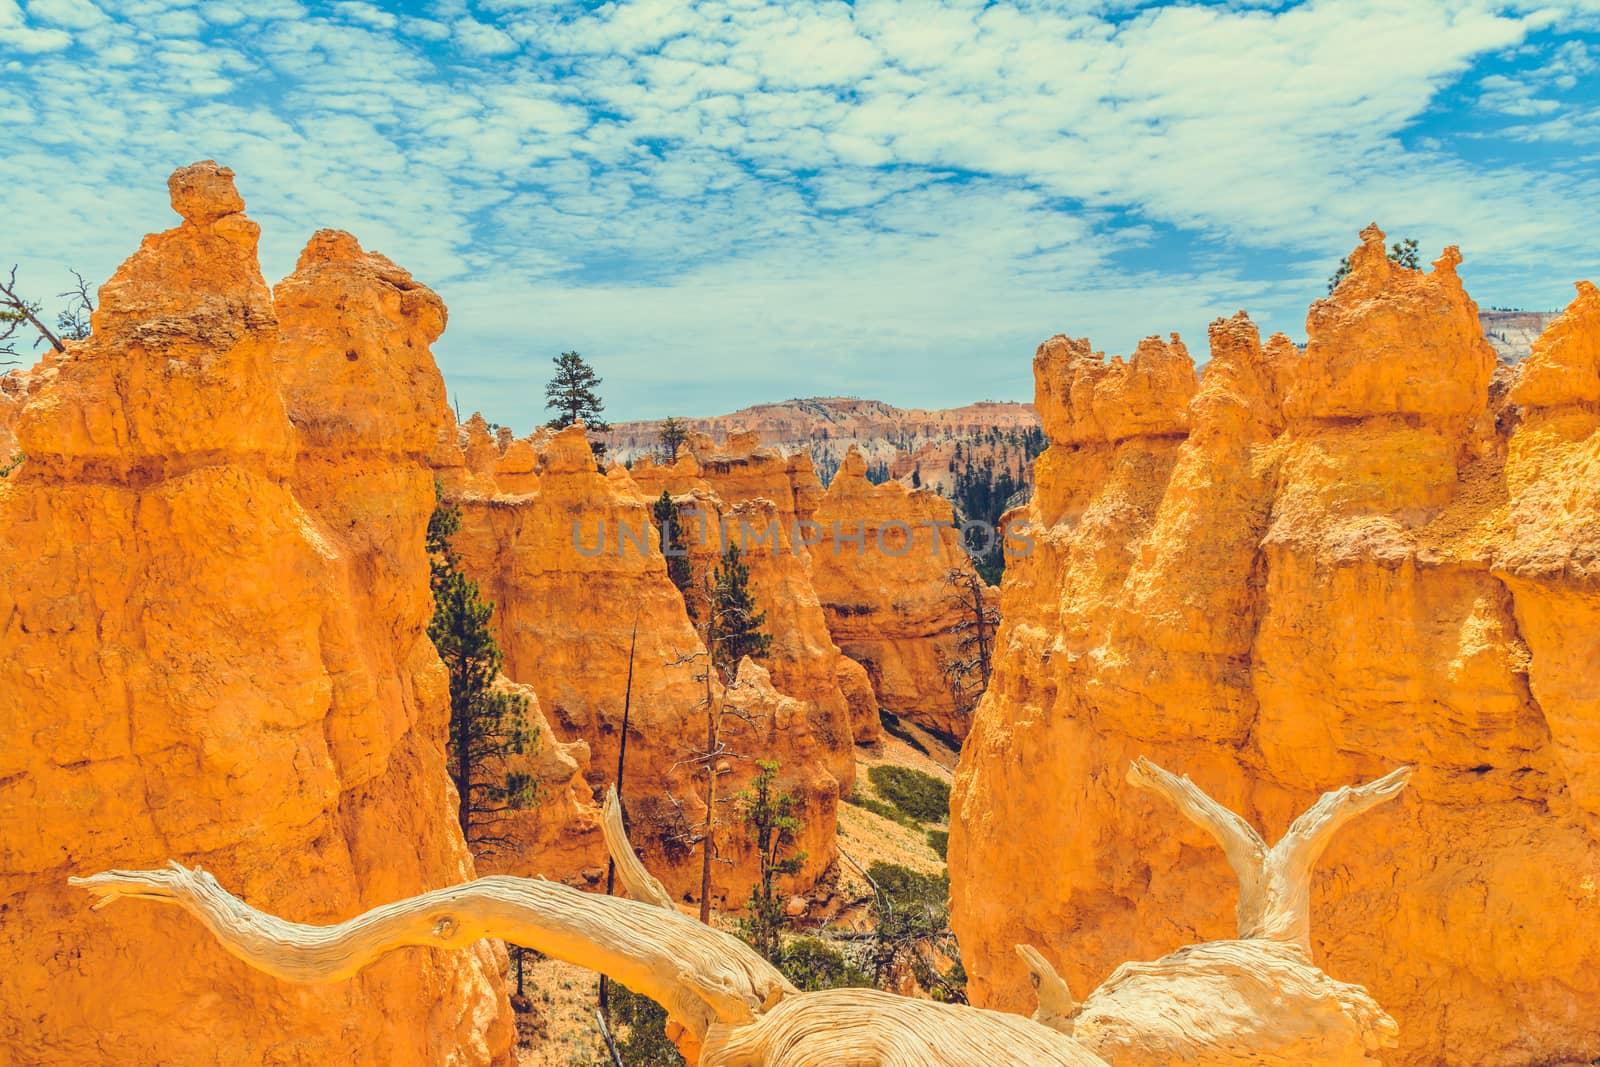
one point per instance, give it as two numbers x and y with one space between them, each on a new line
736 190
1510 96
367 14
17 35
73 14
479 39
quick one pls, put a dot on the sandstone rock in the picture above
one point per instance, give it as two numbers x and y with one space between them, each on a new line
567 598
1548 551
216 650
865 726
204 192
1564 365
879 569
1334 563
13 393
1393 341
823 429
1099 401
560 833
756 499
1511 333
803 660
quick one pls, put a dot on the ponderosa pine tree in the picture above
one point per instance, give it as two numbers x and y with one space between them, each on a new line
572 395
487 725
672 434
669 530
735 622
769 813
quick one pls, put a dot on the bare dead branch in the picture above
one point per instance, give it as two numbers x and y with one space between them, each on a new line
17 310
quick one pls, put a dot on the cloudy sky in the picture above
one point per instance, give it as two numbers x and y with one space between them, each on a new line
721 202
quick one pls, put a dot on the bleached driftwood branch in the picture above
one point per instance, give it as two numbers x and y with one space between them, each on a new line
740 1009
1259 1000
637 882
699 974
1275 883
1056 1007
871 1028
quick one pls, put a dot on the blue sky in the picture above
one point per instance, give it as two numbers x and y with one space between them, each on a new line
722 202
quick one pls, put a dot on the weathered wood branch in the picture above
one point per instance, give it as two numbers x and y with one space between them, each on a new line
871 1028
23 310
736 1008
1056 1007
637 882
1257 1001
1275 883
699 974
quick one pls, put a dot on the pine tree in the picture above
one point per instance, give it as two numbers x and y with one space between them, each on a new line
770 816
735 621
487 725
672 434
571 395
730 629
665 514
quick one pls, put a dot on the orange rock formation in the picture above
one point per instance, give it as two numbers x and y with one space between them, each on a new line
1300 571
760 500
559 836
12 396
567 601
215 650
879 569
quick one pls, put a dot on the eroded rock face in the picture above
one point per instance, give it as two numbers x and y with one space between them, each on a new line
879 569
1320 567
856 685
559 835
755 498
13 394
215 651
567 600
